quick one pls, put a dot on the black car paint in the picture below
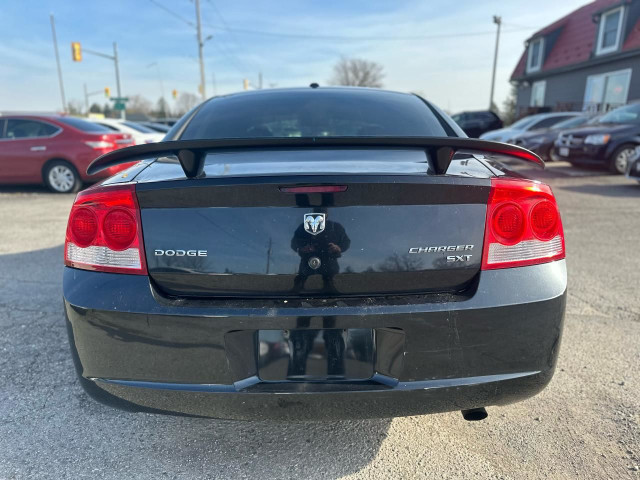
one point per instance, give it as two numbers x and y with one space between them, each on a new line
137 349
257 246
600 155
491 340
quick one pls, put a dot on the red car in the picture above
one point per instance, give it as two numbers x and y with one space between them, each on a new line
55 150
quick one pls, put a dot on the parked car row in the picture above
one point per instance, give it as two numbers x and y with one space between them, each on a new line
607 140
610 141
140 133
56 149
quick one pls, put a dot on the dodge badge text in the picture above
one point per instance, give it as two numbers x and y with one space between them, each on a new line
180 253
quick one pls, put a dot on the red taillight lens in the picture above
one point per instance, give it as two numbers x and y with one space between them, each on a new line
119 229
508 223
83 226
523 225
104 231
544 220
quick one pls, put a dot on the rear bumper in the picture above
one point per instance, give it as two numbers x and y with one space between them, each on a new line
586 154
136 350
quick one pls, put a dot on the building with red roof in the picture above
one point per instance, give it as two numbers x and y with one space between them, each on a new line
587 60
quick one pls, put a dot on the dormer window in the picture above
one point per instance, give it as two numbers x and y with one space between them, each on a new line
610 31
534 60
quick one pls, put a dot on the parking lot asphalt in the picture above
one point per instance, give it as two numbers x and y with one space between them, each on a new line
584 425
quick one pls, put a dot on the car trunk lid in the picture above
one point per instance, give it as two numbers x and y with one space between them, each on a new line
352 233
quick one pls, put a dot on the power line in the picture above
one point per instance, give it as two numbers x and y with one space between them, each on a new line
225 26
360 37
237 62
523 27
239 45
172 13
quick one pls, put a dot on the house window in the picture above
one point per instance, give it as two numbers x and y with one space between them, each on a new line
534 60
609 31
537 94
606 91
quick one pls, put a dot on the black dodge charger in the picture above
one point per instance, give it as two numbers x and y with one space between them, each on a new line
315 253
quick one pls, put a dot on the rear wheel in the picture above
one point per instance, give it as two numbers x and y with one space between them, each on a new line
61 177
550 156
620 159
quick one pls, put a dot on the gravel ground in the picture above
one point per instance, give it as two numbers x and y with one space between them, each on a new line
584 425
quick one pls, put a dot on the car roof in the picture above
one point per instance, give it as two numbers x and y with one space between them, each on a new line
31 115
476 111
559 114
319 90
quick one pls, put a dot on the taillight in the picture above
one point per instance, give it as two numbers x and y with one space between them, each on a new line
99 145
523 225
104 231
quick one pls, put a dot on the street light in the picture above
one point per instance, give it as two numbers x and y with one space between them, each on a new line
498 21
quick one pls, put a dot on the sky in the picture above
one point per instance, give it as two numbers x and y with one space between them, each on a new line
440 49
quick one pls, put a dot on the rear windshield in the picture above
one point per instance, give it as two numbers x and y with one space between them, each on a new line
627 114
572 122
83 125
315 113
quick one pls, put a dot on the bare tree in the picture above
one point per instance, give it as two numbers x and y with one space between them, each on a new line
357 72
186 101
162 109
75 107
139 104
509 106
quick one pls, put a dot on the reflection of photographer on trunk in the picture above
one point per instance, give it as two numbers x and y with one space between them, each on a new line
301 342
327 246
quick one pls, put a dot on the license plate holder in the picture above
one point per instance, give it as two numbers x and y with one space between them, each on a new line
564 151
306 354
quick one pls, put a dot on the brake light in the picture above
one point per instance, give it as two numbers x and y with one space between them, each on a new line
99 145
315 189
523 225
104 231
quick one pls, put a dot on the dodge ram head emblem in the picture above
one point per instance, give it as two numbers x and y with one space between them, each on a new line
314 223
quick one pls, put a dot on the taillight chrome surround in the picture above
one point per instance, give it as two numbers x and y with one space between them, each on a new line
532 231
104 231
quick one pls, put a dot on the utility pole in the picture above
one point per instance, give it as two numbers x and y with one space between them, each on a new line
200 45
113 57
123 115
88 94
498 21
55 48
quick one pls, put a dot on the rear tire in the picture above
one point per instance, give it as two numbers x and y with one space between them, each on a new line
550 157
61 177
620 159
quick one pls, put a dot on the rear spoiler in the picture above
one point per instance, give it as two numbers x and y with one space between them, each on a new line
191 153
